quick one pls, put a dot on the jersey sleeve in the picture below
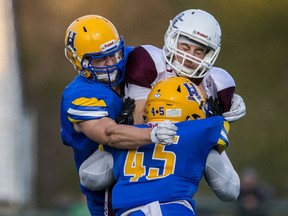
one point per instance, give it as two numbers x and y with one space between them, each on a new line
140 68
83 109
225 87
223 141
87 104
222 79
225 98
137 92
144 68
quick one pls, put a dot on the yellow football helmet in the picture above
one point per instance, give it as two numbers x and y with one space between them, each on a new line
93 37
175 99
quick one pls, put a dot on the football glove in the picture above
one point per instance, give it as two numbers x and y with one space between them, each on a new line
237 110
213 107
126 115
164 133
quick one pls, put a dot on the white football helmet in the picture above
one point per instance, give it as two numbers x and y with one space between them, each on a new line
199 27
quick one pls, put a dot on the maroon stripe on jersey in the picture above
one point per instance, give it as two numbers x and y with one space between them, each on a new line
225 97
140 68
108 202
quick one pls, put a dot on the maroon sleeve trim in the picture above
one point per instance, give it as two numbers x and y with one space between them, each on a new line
140 68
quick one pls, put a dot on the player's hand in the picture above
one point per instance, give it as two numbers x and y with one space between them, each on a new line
237 110
126 115
213 107
164 133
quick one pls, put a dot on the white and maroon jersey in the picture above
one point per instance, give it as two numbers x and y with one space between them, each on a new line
146 66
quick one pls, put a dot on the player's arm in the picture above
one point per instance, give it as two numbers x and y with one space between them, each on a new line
237 109
139 114
221 176
232 104
126 137
225 98
140 74
223 141
139 94
107 132
105 129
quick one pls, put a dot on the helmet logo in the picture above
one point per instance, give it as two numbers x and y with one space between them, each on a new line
110 45
192 91
70 40
202 34
157 95
176 19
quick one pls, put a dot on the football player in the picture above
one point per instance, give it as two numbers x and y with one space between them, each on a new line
159 179
191 46
92 101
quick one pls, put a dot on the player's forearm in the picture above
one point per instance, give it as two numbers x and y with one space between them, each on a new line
127 137
139 112
225 97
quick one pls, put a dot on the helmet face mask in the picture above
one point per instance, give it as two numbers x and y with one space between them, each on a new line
180 58
99 71
93 46
175 99
198 27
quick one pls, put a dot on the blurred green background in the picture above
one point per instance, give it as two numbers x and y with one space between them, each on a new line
254 48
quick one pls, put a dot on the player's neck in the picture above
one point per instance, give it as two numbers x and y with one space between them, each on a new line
117 89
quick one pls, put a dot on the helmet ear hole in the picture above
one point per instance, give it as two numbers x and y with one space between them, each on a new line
196 116
179 89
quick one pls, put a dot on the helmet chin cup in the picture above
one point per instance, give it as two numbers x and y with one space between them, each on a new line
181 70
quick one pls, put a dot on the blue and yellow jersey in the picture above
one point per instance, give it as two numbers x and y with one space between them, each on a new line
86 100
167 173
83 100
